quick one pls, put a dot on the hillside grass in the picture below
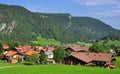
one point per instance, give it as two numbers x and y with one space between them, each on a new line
109 42
84 44
57 69
44 42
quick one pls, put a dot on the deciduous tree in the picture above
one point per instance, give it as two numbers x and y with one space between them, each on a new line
32 59
1 51
59 55
43 58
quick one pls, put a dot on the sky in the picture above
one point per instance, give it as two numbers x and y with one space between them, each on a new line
107 11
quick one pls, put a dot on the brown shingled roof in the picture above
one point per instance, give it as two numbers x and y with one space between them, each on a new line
78 48
99 56
91 56
81 56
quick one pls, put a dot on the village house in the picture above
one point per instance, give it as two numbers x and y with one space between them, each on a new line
77 48
51 48
90 58
31 52
79 55
49 52
14 60
11 56
38 48
23 51
5 49
50 55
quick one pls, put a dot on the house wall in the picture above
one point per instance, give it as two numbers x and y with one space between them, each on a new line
99 63
50 56
73 61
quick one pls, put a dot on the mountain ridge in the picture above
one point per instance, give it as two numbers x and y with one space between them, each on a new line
19 24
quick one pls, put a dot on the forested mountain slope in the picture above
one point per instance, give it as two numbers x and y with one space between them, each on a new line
20 24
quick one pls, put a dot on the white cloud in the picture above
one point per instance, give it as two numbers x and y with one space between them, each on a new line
115 12
97 2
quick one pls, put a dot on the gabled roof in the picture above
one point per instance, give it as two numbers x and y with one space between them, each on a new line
31 52
91 56
10 53
51 48
100 56
48 48
78 48
5 47
38 47
81 56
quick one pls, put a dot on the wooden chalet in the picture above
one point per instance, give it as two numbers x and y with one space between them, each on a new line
90 58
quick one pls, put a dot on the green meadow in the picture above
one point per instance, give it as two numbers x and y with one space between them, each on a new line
84 44
44 42
57 69
117 63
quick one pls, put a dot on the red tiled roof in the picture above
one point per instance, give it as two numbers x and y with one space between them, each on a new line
91 56
51 48
48 48
31 52
24 49
5 47
78 48
10 53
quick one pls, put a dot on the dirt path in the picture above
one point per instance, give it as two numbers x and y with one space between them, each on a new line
6 67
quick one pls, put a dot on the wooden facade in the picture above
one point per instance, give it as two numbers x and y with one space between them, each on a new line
73 61
90 59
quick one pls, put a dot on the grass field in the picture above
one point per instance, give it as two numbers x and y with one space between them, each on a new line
54 69
84 44
57 69
6 64
45 42
117 63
